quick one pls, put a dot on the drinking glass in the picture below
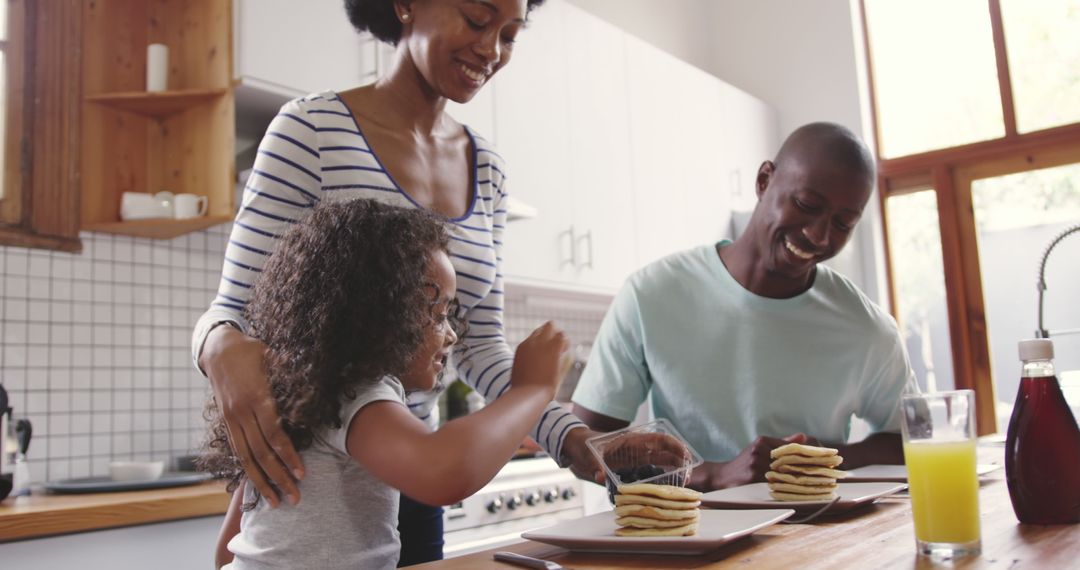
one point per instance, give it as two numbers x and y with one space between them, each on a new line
939 449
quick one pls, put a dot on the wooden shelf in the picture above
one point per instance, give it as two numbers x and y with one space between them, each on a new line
157 104
163 228
180 140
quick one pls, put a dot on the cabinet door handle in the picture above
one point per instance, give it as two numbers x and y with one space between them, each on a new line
587 237
571 258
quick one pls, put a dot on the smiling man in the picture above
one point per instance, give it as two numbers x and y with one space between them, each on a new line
751 344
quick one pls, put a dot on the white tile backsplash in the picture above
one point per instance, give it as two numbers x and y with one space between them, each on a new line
95 346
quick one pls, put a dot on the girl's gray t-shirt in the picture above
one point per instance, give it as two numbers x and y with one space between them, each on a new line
347 518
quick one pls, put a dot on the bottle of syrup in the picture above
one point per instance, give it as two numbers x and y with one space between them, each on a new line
1042 448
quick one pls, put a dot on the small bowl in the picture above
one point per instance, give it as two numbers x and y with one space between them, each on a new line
627 457
136 470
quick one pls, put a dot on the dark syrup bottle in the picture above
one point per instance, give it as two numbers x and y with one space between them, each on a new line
1042 448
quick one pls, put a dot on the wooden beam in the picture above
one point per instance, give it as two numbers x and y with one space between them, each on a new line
1008 110
963 291
1056 137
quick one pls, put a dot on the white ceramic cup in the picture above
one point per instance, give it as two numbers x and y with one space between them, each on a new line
166 202
142 206
157 67
190 206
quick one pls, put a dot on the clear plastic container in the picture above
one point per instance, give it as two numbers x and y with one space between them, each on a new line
652 452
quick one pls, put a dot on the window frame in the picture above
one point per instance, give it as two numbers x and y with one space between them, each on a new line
949 172
15 86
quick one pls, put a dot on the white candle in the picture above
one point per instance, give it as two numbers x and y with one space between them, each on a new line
157 67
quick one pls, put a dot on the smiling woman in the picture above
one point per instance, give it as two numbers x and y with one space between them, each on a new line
393 142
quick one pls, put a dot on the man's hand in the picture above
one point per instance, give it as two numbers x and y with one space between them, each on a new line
234 363
749 466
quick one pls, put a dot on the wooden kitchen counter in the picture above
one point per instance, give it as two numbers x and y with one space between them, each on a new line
878 536
45 515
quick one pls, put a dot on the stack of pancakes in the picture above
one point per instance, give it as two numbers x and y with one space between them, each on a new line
804 473
645 509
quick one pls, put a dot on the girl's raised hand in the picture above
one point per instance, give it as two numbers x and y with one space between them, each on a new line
542 360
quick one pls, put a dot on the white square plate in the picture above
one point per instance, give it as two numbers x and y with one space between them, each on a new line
898 473
596 533
756 496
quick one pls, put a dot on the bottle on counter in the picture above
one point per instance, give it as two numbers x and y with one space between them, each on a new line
1042 448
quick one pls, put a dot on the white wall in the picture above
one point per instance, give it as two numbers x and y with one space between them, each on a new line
806 60
802 58
676 26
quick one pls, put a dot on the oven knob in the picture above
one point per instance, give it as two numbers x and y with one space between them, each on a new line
514 502
568 494
551 495
533 498
495 505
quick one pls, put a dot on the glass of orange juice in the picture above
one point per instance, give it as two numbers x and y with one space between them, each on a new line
939 449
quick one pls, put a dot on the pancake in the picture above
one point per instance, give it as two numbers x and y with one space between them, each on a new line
781 496
668 492
621 500
803 450
655 513
831 461
816 471
685 530
773 476
802 489
641 522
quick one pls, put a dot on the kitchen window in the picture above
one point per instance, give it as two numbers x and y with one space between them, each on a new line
976 108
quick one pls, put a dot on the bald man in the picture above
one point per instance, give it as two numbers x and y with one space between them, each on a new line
751 344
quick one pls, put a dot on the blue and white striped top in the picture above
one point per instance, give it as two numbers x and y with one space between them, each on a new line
314 150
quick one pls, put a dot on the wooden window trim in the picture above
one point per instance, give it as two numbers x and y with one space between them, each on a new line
48 148
950 172
11 204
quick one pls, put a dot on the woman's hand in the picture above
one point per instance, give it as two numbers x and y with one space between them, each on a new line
629 450
579 459
235 364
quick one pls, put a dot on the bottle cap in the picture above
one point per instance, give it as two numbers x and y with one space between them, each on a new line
1036 349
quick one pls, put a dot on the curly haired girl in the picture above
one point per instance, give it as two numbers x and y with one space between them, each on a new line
357 307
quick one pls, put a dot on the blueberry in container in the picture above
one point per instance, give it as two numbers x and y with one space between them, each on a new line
652 452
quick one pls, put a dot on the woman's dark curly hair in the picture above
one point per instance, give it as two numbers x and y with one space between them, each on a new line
342 302
378 17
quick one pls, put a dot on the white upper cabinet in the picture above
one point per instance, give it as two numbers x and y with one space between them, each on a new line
708 169
562 124
753 139
531 99
659 149
627 152
600 180
293 48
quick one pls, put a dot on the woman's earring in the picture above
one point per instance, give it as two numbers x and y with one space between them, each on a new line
406 17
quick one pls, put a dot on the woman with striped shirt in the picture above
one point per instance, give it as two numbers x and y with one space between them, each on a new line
392 142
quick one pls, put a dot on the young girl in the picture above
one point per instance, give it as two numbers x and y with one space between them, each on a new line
357 308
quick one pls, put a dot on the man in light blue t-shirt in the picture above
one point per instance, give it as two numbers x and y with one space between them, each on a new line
751 344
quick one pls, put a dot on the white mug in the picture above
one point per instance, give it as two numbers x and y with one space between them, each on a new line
157 67
190 206
142 206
